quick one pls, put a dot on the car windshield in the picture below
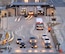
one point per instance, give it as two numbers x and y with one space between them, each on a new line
22 43
47 43
32 38
46 39
44 35
33 43
19 39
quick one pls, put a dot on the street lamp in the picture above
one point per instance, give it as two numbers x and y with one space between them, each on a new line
58 46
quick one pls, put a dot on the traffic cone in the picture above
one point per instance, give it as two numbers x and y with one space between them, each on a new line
49 29
60 50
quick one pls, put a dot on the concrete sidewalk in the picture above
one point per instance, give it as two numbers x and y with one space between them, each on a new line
60 37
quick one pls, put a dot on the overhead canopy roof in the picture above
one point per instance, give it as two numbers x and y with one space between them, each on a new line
28 4
1 8
42 4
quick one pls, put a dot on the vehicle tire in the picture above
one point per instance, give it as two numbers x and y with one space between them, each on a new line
31 47
24 47
42 29
20 47
37 29
17 43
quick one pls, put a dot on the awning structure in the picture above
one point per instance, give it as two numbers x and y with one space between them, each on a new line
1 8
28 4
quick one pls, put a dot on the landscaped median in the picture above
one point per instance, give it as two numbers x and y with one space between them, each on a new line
9 36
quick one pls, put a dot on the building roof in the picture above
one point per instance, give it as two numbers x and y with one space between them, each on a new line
1 8
28 4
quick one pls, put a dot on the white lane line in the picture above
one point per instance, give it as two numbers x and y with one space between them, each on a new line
16 19
19 18
32 29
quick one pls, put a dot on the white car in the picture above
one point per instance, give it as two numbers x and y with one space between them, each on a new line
47 43
46 40
44 37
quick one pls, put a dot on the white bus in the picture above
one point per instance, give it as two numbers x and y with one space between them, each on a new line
39 24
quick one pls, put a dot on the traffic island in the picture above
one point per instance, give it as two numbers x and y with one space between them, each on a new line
56 42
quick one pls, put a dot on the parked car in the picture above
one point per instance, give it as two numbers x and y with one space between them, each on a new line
32 40
23 45
19 40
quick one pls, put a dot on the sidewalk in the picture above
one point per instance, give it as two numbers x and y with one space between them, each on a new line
60 37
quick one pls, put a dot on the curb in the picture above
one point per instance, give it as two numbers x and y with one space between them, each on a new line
11 39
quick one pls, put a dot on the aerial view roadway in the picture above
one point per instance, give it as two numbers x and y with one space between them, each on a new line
32 27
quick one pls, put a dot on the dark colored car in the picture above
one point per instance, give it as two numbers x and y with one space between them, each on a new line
32 40
23 45
34 45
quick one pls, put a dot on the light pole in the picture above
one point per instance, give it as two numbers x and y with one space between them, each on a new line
7 20
49 15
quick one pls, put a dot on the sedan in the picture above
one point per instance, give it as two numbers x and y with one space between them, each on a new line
32 40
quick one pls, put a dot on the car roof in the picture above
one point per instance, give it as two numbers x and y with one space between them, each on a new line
44 35
32 38
22 43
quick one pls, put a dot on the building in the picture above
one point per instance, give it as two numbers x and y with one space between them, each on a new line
26 7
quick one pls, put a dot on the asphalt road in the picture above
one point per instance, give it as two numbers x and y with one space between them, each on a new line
25 29
56 3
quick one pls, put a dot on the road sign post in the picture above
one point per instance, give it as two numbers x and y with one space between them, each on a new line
58 46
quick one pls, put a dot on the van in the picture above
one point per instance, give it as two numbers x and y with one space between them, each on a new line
39 24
